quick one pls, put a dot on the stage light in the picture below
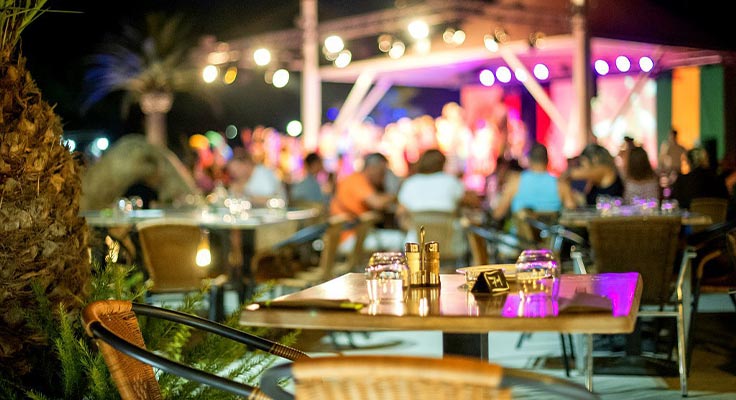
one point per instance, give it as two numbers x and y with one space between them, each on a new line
102 143
486 77
541 72
209 73
294 128
490 42
280 78
623 64
384 42
397 49
203 257
343 59
231 132
453 36
70 144
262 57
418 29
334 44
503 74
537 40
601 67
646 64
230 75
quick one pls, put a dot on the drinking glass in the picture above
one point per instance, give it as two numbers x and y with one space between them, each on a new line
387 277
538 275
670 205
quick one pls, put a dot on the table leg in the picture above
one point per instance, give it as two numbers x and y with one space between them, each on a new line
466 344
589 362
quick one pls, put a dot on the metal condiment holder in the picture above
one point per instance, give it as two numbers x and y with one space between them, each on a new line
424 261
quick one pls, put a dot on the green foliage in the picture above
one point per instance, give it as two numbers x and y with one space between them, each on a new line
76 370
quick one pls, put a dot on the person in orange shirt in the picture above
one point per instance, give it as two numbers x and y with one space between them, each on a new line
361 192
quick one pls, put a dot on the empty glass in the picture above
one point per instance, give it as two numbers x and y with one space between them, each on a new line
537 273
387 277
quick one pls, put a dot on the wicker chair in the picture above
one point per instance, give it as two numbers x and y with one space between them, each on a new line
169 251
409 377
443 227
113 325
649 246
715 208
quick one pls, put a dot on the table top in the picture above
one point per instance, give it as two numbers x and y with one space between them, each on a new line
213 218
581 217
453 308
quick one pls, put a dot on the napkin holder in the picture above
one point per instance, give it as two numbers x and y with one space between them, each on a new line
491 282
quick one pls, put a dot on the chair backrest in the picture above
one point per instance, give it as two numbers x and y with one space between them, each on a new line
443 227
645 244
113 324
336 225
477 245
366 223
169 250
715 208
407 378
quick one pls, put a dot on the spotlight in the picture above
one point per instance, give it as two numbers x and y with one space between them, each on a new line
230 74
541 72
500 35
422 46
623 64
521 75
503 74
490 42
536 40
280 78
209 73
397 49
646 64
343 59
418 29
262 57
486 77
384 42
334 44
601 67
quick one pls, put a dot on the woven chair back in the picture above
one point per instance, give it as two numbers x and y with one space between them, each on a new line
169 249
134 379
713 207
645 244
442 227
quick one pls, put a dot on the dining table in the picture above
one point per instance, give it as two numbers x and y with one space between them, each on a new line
585 304
580 217
256 229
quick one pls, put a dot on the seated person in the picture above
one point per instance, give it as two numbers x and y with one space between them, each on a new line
598 168
309 189
359 192
256 182
431 189
640 179
534 188
701 181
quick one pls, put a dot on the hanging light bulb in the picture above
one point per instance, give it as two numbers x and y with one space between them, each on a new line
204 256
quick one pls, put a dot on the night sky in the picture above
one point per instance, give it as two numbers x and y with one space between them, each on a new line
57 43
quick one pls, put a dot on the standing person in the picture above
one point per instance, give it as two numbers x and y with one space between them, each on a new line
534 188
671 155
598 168
640 180
256 182
310 189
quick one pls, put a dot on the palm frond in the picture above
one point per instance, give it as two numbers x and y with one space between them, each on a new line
15 16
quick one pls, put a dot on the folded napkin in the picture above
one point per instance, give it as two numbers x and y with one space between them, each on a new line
585 302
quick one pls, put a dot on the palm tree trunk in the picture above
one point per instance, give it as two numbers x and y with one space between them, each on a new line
155 106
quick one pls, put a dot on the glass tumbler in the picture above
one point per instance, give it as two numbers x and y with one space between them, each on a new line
538 272
387 277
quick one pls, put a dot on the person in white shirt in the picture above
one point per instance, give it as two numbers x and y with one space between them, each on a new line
253 181
431 189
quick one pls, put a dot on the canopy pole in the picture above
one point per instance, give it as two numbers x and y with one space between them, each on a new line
311 99
582 78
355 97
371 99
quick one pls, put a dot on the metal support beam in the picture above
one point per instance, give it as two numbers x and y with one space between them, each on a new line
535 89
371 99
311 99
582 79
355 97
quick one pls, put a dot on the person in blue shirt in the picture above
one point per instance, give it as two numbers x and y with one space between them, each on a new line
309 189
534 188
